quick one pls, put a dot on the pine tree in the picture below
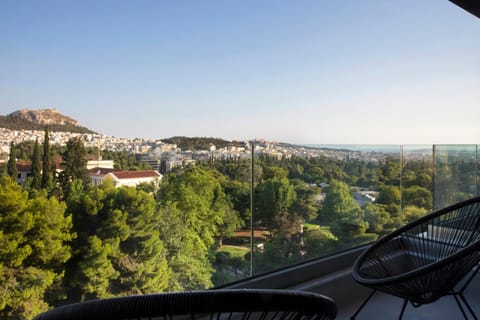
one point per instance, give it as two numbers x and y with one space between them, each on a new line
193 207
274 197
118 249
46 166
36 167
12 162
35 236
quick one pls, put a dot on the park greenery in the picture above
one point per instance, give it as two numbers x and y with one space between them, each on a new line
65 240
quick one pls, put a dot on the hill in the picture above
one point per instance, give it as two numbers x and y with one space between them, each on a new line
27 119
199 143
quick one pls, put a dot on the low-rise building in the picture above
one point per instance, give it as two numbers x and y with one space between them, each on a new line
99 164
24 169
97 174
364 197
124 178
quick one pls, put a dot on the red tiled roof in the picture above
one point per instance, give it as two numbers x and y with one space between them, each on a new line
24 166
102 171
136 174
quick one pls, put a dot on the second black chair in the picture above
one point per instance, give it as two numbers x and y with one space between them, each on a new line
210 304
426 259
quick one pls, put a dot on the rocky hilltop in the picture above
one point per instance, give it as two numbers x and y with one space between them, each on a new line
44 117
27 119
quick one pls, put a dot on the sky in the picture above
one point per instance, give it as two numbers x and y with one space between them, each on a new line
303 71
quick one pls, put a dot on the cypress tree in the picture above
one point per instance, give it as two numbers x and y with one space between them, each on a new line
46 157
36 167
12 162
74 165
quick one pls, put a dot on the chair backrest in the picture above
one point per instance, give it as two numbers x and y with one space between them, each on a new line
209 304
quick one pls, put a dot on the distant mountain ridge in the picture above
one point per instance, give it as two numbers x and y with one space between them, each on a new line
27 119
44 116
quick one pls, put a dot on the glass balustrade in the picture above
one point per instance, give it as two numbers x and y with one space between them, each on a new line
455 173
253 208
314 201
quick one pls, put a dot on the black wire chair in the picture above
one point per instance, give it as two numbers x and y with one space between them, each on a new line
232 304
426 259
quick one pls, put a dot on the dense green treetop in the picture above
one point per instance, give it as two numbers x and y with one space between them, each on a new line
198 194
195 206
119 250
339 200
34 234
274 196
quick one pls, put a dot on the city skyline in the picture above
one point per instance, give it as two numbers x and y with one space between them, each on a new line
363 72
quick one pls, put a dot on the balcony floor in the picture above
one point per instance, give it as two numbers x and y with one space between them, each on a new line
332 277
385 307
349 296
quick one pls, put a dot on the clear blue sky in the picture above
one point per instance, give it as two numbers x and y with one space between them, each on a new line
349 71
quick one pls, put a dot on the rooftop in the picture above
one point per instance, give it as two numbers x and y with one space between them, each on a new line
136 174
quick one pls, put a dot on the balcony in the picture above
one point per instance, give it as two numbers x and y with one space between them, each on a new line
384 180
331 276
332 201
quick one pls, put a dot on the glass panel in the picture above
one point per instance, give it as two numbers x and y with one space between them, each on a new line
417 181
386 214
477 171
282 202
314 201
205 203
232 253
309 202
455 173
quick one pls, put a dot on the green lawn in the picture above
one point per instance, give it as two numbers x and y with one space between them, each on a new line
234 251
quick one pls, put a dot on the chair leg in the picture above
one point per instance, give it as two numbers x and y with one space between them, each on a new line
363 304
468 306
469 279
460 307
403 309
